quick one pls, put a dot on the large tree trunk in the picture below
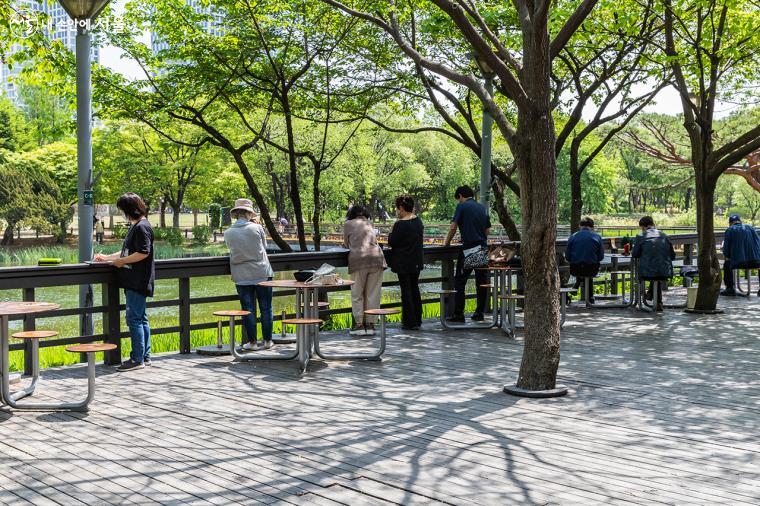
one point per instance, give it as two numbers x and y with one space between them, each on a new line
538 173
175 215
195 217
687 199
709 267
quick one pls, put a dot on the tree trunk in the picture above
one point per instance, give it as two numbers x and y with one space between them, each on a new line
162 214
576 200
195 217
709 267
262 203
295 196
538 177
175 215
316 216
7 236
502 211
687 200
62 229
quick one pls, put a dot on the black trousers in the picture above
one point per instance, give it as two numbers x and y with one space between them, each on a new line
728 273
411 301
460 282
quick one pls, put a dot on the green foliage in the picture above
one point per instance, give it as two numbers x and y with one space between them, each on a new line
120 231
201 235
215 216
173 236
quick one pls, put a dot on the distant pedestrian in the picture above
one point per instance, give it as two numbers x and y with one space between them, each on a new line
655 253
406 241
99 231
741 249
585 252
474 224
249 265
136 275
366 263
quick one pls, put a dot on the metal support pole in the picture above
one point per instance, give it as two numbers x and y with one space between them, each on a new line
84 168
485 149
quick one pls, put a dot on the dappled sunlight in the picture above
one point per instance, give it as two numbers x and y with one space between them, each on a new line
657 406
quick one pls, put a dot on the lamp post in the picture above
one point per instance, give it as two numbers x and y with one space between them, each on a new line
83 12
486 132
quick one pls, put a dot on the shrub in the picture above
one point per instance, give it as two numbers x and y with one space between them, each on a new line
120 231
215 216
171 235
201 235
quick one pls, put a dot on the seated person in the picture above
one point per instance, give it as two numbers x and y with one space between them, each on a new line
585 252
655 253
741 248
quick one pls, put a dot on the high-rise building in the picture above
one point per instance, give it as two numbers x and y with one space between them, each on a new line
212 26
59 27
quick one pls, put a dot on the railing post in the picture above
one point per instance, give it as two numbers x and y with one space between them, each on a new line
29 324
688 254
112 321
447 273
184 315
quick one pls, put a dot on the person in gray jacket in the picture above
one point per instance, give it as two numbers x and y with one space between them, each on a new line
655 253
250 266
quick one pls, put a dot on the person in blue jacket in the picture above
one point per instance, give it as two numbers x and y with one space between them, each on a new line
741 249
585 252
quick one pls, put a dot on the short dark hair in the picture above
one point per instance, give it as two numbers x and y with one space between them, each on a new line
405 202
132 205
357 210
464 191
587 222
646 221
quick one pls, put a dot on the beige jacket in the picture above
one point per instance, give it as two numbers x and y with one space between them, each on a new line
365 253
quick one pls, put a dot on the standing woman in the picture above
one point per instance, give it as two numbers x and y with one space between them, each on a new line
136 275
249 265
366 263
405 241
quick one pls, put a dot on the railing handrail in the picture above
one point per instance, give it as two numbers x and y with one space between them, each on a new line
27 278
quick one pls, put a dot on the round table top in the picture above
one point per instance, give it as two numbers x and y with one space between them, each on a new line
91 347
619 255
292 283
21 308
498 268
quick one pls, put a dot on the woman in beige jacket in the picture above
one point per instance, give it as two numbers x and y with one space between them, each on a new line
365 265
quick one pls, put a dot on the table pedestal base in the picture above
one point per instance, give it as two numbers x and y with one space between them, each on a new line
558 391
212 350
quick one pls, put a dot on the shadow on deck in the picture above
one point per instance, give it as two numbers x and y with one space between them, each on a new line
660 410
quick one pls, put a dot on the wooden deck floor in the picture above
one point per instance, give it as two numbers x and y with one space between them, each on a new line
661 410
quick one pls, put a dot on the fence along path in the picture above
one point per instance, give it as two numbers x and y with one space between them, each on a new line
661 410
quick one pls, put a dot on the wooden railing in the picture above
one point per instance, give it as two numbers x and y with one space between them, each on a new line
27 279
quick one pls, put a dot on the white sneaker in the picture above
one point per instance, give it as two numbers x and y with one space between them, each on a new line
357 330
369 329
267 345
251 346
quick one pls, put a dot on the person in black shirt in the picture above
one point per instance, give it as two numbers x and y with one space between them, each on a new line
136 275
406 260
474 225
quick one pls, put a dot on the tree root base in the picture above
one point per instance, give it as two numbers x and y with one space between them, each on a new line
558 391
704 311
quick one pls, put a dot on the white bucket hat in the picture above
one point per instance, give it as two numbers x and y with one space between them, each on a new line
244 205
